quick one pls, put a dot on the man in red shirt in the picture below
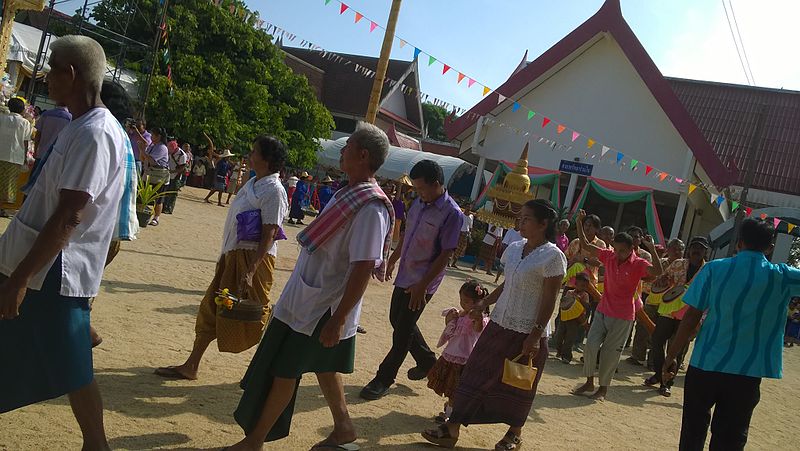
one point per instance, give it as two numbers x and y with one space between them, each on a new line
614 317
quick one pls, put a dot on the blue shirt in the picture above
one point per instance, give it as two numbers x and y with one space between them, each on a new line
746 299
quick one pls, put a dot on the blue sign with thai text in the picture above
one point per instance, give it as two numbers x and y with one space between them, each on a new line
574 167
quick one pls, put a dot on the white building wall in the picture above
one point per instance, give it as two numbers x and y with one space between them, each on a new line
600 94
396 103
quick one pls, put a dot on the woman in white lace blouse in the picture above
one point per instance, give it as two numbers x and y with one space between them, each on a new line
519 324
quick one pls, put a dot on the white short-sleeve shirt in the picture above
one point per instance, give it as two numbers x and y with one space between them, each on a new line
492 234
317 283
512 236
89 156
518 305
466 226
14 131
265 194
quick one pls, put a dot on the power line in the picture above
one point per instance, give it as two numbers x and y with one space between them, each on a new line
736 44
741 42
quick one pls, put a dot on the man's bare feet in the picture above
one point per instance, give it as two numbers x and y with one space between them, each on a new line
245 445
177 372
600 394
583 389
95 337
207 201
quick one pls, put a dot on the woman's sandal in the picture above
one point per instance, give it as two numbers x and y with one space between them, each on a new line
440 436
665 392
441 418
509 442
651 381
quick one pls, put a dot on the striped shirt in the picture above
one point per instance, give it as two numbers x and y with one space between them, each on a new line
746 299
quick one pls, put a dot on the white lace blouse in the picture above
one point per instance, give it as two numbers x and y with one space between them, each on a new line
518 305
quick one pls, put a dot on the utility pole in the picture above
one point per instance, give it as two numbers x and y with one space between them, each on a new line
755 142
383 63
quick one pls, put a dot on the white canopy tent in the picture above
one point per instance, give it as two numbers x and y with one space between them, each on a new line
24 47
399 162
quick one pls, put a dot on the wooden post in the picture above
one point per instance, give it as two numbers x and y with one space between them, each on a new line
383 63
755 142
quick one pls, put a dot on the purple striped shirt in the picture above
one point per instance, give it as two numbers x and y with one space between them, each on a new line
430 230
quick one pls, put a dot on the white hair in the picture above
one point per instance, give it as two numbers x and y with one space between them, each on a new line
85 55
369 136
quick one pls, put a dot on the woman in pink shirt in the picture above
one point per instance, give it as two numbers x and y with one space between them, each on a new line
461 332
562 241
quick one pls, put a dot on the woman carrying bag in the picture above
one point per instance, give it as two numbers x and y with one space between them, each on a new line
247 263
489 390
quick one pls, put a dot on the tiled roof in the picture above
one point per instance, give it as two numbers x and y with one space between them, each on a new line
727 115
346 91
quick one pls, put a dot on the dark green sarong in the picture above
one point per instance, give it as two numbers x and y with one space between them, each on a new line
287 354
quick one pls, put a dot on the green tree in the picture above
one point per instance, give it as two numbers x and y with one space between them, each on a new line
433 116
794 253
228 79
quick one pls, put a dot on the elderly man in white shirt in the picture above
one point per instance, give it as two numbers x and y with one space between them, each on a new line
15 132
53 252
315 320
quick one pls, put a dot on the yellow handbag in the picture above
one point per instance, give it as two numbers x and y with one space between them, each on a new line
519 375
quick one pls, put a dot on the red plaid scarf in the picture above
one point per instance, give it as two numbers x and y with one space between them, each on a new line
347 203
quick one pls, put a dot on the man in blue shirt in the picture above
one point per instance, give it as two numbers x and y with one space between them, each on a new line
745 299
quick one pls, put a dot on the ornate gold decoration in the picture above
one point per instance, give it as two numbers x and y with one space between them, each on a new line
507 199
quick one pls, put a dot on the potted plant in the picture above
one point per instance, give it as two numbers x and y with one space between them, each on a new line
146 197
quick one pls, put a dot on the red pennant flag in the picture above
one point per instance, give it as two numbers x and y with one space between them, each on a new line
560 129
763 216
460 77
445 68
545 121
372 26
343 8
748 211
648 170
359 16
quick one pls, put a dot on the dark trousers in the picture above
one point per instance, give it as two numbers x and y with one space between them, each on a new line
406 338
733 398
666 328
566 333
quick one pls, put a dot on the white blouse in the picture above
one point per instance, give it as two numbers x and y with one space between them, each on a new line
518 305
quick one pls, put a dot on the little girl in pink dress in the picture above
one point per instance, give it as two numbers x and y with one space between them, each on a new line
461 332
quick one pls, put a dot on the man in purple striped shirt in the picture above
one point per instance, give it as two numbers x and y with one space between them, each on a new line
433 226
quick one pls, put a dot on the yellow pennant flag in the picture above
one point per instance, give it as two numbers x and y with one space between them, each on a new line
590 143
790 226
692 187
486 90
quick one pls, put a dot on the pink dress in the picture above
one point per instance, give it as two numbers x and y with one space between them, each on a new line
460 336
562 242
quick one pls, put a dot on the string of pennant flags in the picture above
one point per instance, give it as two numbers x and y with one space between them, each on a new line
573 135
606 153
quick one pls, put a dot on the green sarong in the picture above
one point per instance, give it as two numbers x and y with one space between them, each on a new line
287 354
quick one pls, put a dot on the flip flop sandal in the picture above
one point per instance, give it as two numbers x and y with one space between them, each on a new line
510 442
154 222
441 418
665 392
340 447
440 436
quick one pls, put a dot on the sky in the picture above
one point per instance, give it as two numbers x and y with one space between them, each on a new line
486 39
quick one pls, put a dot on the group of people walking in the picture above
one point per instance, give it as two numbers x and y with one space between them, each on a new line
53 252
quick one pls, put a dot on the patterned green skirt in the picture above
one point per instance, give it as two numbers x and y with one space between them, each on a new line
9 175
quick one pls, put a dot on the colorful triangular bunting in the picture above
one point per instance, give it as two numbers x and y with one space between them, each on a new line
575 135
734 206
620 156
648 169
763 216
460 77
560 129
790 226
486 90
662 176
634 162
531 114
402 43
748 211
515 107
342 9
604 151
372 26
545 121
589 143
776 222
501 98
431 60
470 82
359 16
445 68
417 52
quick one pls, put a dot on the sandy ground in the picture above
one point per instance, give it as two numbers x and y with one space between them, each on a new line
146 311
